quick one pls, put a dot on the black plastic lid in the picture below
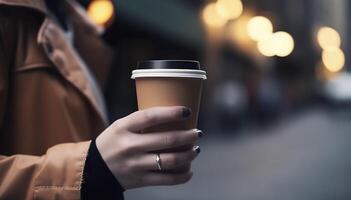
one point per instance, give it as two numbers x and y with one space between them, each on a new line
169 64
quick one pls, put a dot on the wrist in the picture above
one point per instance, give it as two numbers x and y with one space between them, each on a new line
98 181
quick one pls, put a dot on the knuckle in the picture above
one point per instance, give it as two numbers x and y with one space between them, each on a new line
117 128
123 146
122 124
133 143
128 145
119 123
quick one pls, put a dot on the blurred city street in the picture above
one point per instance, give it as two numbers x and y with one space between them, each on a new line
268 82
304 156
276 105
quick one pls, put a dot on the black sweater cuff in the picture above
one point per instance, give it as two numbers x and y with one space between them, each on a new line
98 180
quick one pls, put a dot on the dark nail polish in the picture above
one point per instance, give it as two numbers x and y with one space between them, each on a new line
186 112
197 149
199 133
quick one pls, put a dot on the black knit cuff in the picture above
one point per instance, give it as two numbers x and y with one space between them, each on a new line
98 180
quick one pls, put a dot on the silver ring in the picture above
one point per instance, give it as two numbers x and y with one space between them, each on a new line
158 162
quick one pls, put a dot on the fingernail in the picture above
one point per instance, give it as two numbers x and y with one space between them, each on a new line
199 133
197 149
186 112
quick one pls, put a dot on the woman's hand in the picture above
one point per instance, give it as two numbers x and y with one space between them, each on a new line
126 151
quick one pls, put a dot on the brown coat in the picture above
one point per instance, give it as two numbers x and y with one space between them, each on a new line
48 108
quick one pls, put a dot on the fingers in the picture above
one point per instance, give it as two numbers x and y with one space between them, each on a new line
168 160
143 119
166 140
156 178
180 169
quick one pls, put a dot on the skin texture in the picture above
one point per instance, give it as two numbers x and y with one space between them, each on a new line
128 152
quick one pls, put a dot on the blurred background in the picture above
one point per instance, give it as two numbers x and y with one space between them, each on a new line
276 105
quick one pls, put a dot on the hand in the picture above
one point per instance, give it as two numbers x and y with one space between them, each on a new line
127 152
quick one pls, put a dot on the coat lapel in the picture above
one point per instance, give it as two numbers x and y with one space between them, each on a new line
62 53
65 58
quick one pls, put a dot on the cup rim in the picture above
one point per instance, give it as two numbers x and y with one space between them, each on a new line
176 73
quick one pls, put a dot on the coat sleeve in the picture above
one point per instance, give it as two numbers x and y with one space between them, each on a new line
55 175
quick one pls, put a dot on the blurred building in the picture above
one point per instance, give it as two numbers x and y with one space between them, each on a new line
270 74
178 29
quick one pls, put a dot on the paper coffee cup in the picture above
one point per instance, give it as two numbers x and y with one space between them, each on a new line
170 83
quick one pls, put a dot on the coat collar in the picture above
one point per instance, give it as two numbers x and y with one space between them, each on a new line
38 5
60 51
65 57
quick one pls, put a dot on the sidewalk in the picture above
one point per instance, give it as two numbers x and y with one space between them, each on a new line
305 157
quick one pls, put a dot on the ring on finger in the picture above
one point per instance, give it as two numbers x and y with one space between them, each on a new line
158 162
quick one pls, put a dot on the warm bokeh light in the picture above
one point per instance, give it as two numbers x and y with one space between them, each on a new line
328 38
280 44
229 9
283 43
101 11
211 16
237 33
266 47
259 28
333 60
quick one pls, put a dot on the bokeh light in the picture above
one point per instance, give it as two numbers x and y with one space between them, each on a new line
259 28
101 11
229 9
283 43
266 47
211 16
237 32
328 38
333 60
280 44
